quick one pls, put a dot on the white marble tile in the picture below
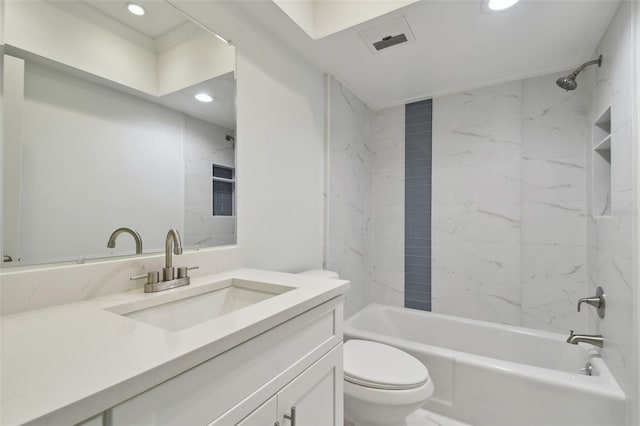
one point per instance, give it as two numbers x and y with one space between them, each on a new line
387 266
204 230
388 254
554 135
389 221
479 223
388 188
388 155
542 97
553 179
622 159
614 78
349 224
553 279
388 288
498 182
610 264
388 124
485 144
478 107
614 235
614 274
554 222
475 280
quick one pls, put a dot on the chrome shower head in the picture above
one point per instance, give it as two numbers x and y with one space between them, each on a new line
569 82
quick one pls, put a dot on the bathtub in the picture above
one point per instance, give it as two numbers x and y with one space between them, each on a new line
498 375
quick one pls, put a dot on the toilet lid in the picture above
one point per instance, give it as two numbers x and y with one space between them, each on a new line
379 366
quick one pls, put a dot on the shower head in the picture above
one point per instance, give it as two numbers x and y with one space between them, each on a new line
230 138
569 82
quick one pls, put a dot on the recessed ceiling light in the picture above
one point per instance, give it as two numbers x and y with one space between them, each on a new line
500 4
203 97
135 9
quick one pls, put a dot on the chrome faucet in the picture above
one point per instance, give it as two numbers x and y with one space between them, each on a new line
592 339
173 240
169 277
136 236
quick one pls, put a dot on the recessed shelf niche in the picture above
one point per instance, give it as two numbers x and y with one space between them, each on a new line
602 165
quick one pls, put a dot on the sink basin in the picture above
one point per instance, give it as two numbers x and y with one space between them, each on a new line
177 311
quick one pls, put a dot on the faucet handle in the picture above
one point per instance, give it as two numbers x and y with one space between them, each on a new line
182 271
152 277
598 301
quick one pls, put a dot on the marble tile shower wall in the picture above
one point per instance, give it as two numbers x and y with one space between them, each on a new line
350 178
610 244
205 145
509 204
387 285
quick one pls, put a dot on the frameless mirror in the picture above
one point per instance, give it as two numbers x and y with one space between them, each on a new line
111 120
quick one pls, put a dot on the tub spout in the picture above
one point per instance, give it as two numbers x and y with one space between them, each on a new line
592 339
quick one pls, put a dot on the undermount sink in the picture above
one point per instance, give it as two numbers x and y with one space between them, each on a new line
177 311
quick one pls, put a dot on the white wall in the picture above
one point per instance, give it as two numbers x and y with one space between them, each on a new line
508 209
47 30
387 266
94 160
197 59
350 225
280 133
610 239
635 369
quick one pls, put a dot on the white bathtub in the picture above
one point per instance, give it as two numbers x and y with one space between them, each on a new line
498 375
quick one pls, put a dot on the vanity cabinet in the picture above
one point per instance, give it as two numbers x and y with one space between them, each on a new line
315 395
296 364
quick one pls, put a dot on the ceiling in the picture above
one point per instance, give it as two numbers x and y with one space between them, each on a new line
159 19
457 45
222 111
160 27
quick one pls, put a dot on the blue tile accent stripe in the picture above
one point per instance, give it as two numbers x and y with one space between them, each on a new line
417 205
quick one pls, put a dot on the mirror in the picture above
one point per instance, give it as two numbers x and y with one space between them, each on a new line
102 130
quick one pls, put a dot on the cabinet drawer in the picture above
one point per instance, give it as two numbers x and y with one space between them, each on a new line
205 392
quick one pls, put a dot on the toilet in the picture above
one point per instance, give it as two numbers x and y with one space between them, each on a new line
382 384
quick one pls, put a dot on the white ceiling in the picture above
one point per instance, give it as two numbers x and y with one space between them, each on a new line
458 46
222 111
160 27
159 19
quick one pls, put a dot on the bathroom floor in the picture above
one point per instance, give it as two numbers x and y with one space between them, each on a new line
428 418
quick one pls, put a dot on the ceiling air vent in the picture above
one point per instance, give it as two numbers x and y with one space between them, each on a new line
387 34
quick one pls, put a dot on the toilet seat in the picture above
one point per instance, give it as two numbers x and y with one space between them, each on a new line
378 366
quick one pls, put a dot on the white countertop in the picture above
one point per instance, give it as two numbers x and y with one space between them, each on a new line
76 360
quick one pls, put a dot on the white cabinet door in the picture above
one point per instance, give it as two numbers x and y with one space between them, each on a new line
265 415
314 398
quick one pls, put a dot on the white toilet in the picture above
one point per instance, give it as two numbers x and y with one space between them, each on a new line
382 384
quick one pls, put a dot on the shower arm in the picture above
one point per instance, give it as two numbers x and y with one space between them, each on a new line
586 64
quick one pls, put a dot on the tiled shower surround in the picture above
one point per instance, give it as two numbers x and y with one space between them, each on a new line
514 237
509 203
365 199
